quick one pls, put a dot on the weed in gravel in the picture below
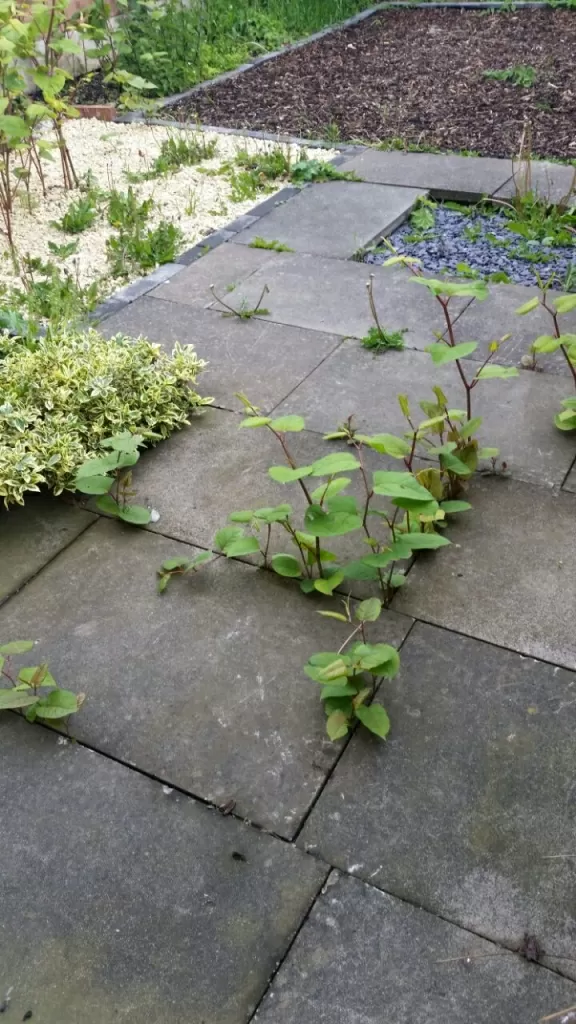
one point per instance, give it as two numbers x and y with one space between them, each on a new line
139 250
126 212
244 311
319 170
181 149
51 294
522 75
331 133
274 245
79 216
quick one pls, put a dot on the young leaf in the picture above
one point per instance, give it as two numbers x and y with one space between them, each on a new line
36 676
565 303
546 343
328 692
493 371
106 503
474 289
527 307
330 524
374 718
337 725
93 484
137 515
58 704
176 563
256 421
426 541
338 462
454 465
245 516
227 534
16 647
330 489
369 611
442 353
285 475
11 699
328 585
241 546
387 444
278 514
333 615
286 565
288 424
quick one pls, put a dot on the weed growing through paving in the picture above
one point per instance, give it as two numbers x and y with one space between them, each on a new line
274 244
104 476
557 340
378 339
33 691
244 311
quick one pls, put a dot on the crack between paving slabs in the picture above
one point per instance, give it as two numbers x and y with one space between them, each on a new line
4 600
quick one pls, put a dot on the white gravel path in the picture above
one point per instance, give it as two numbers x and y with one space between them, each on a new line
196 202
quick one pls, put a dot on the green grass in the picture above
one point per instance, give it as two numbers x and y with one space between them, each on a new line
190 42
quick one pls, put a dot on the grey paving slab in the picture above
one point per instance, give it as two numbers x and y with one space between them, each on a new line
265 360
470 807
330 295
203 686
518 413
570 484
509 575
124 901
335 218
490 320
222 267
551 181
364 957
452 177
32 534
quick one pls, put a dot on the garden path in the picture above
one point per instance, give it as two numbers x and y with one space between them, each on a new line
202 854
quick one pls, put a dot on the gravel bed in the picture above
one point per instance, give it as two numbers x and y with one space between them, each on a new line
447 246
197 203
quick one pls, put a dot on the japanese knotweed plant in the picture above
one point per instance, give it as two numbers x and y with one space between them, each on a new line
33 690
350 676
557 340
409 522
105 476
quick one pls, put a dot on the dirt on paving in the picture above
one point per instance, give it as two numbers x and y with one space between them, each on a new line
415 75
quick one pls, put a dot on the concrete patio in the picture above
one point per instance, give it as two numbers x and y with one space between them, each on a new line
353 883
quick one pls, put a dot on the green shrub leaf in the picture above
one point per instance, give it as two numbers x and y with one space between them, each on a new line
442 353
330 524
527 307
288 424
369 611
286 475
339 462
11 699
137 515
241 546
426 541
16 647
337 725
386 444
493 371
565 303
286 565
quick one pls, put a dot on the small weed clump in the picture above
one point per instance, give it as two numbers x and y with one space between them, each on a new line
522 75
378 340
274 245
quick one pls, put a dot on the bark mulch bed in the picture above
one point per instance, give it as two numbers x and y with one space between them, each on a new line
416 75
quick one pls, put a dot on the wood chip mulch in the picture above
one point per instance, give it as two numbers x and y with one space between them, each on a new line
416 75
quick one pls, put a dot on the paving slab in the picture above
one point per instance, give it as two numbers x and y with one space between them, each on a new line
509 575
203 686
469 808
449 177
265 360
335 218
33 534
551 181
330 295
570 484
491 319
124 901
222 267
364 957
518 413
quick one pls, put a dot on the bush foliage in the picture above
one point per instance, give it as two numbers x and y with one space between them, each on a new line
61 397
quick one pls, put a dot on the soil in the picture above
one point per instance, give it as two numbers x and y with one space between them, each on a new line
93 89
415 75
